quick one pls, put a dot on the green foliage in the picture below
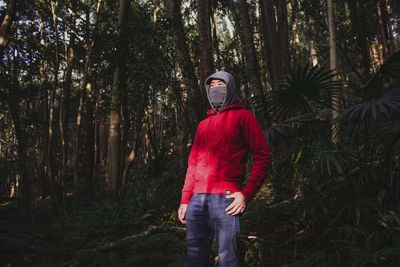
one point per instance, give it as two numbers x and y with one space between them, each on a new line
303 90
341 201
325 205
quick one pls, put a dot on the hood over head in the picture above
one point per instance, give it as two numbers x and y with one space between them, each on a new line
230 97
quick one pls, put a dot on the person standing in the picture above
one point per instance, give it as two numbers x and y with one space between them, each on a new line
213 198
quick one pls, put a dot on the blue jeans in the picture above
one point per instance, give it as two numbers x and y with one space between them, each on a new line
205 218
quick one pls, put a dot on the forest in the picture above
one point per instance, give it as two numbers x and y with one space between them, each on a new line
99 105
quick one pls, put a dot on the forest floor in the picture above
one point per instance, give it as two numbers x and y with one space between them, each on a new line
143 229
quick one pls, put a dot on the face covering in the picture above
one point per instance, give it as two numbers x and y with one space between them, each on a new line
217 96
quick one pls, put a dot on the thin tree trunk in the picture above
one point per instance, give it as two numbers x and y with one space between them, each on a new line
356 9
114 142
310 39
283 30
181 128
333 66
6 25
206 52
390 13
84 118
313 53
138 122
324 27
386 25
294 9
56 186
215 43
78 130
24 183
102 139
44 85
89 131
90 88
382 36
65 101
268 23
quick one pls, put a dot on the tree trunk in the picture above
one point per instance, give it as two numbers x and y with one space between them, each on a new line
24 181
324 27
84 169
356 9
295 35
390 12
190 80
310 39
89 140
65 101
215 43
268 23
56 184
114 142
206 52
181 128
138 123
102 142
242 21
336 101
386 25
6 25
283 35
382 35
44 86
78 133
90 88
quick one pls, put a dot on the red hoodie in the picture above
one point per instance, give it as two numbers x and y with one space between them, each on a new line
217 161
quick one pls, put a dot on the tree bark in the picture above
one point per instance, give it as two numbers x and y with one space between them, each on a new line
242 21
336 101
382 36
44 85
385 26
114 142
357 19
190 79
6 25
90 94
268 23
65 101
24 187
310 39
84 169
283 30
138 123
252 66
206 51
215 43
295 34
56 184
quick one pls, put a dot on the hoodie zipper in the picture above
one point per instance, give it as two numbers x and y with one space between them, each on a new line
205 176
208 152
215 122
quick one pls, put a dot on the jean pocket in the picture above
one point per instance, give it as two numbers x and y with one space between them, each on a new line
226 199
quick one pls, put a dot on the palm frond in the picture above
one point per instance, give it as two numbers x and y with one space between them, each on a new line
305 89
384 107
